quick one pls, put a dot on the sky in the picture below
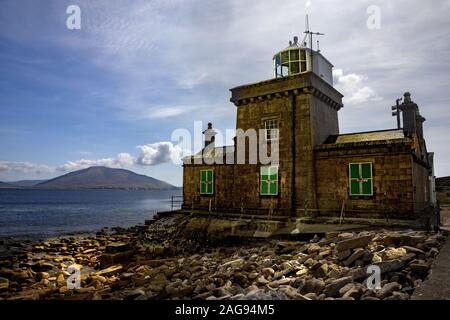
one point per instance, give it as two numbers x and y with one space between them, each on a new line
113 92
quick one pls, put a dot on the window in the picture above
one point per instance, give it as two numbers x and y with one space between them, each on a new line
271 127
289 62
269 181
206 181
360 177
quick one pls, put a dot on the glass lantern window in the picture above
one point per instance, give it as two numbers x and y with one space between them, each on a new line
290 62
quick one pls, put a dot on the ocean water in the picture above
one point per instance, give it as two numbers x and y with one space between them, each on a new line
33 213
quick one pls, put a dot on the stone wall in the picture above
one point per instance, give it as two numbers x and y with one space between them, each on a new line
392 167
421 185
223 186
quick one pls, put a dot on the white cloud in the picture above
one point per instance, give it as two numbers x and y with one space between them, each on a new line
157 153
150 155
165 112
352 87
122 160
24 167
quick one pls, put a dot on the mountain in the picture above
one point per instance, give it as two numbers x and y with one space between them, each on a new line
4 185
26 183
104 178
443 182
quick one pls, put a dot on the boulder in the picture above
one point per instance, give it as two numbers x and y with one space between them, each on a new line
352 243
385 266
376 258
354 293
277 283
332 289
398 296
232 263
110 270
313 285
359 253
388 289
240 279
347 287
262 281
109 259
413 250
42 266
42 275
325 253
267 272
116 247
411 240
342 255
420 269
394 253
299 283
293 294
314 248
4 283
311 296
322 271
261 295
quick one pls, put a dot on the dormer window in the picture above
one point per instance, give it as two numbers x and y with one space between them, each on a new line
271 129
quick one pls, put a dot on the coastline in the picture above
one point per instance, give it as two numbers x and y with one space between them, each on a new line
176 257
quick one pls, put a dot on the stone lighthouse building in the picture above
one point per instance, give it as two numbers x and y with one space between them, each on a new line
320 173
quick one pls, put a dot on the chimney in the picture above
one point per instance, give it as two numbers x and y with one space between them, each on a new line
209 136
410 110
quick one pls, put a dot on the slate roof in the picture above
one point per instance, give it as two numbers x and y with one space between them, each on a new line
385 136
217 152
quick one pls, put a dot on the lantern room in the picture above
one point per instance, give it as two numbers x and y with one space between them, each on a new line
297 59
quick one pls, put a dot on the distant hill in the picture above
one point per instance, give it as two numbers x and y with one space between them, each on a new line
26 183
443 190
443 182
104 178
4 185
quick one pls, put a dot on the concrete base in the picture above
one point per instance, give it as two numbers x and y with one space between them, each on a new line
217 225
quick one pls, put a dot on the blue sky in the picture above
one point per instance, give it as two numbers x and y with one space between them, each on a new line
137 70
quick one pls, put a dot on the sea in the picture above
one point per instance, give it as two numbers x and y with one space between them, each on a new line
41 214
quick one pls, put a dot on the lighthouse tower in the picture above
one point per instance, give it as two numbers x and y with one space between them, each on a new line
298 58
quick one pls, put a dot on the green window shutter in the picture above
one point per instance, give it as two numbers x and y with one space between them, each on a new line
206 181
366 175
210 177
202 181
354 171
367 188
360 179
264 187
269 181
366 170
354 187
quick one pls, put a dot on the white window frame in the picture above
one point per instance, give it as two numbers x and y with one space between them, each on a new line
270 129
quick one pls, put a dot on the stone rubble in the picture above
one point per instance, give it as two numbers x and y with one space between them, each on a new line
162 261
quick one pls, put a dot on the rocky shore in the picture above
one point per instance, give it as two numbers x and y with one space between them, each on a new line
166 259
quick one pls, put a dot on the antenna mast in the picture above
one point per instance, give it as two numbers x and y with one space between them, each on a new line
310 34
